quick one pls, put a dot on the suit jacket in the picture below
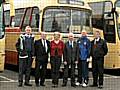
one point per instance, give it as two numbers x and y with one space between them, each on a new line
99 49
70 54
40 53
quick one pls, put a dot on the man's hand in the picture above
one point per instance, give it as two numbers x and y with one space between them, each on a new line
65 63
33 57
88 59
76 62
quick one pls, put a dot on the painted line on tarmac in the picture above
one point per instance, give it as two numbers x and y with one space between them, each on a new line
8 79
115 77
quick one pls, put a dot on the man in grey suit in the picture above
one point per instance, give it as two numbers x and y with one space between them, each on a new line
70 59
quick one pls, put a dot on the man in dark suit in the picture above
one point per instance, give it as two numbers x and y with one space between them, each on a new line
42 48
70 59
98 50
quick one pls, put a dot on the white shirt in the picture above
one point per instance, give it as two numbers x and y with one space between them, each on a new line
45 44
71 43
56 41
96 40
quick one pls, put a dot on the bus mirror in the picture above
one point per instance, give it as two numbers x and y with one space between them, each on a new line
108 16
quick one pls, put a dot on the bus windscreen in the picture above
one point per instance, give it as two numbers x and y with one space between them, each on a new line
66 20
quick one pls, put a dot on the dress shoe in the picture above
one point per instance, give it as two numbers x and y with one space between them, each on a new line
42 84
94 85
27 84
20 85
63 85
73 85
37 85
55 86
100 86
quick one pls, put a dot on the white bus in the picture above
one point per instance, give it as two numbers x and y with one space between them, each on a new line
71 16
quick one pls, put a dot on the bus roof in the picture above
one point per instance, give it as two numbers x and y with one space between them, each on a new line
42 4
22 4
99 0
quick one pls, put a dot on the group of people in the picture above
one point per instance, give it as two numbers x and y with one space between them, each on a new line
73 52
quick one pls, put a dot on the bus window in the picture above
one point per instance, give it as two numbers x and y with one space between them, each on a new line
7 18
109 31
76 2
2 32
55 26
66 20
18 16
27 18
31 18
98 9
63 1
35 19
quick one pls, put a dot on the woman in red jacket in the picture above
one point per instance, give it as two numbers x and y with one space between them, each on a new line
56 51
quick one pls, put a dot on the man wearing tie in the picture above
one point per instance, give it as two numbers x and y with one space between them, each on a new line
42 48
70 59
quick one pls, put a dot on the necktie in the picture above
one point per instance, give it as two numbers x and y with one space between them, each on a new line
44 45
70 44
95 43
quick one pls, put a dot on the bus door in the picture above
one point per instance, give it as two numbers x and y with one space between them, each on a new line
109 24
103 19
109 28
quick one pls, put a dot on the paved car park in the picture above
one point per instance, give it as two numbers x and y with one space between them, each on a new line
8 81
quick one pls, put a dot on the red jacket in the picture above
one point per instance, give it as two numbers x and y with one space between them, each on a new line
59 47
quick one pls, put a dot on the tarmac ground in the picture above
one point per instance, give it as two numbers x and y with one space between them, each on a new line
8 81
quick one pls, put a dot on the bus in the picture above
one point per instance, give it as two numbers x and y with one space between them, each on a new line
106 17
2 38
70 16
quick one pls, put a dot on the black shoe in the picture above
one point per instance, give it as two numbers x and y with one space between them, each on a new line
63 85
100 86
94 85
42 84
27 84
55 86
73 85
20 85
37 85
